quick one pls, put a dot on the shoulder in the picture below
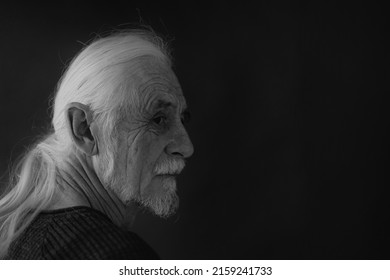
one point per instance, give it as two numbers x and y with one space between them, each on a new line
84 233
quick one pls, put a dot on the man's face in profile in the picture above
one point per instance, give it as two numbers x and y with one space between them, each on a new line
152 142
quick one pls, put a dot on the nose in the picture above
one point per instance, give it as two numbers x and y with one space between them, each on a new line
181 145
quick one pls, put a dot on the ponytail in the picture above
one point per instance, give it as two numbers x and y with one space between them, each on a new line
31 190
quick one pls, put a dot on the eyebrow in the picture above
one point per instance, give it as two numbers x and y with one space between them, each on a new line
162 104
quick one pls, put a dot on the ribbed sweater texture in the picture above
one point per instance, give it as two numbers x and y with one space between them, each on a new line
78 233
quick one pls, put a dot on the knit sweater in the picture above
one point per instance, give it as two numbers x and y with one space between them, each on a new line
78 233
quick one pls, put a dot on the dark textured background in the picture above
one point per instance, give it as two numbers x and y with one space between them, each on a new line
289 121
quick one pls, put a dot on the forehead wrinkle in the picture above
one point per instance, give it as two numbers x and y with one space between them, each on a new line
158 83
161 101
161 90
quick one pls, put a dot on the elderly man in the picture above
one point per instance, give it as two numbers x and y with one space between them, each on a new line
118 142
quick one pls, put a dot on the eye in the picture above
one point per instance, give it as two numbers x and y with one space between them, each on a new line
185 117
160 119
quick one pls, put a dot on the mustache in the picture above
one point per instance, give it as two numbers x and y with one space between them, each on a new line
169 167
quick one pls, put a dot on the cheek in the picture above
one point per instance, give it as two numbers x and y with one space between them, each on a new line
141 156
121 157
156 185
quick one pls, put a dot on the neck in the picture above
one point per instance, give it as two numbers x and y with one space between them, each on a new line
80 186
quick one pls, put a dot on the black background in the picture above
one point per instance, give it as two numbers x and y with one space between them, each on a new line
289 120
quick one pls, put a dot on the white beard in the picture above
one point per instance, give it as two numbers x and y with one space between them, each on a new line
163 204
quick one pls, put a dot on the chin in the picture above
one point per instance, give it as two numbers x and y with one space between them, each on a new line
162 198
159 197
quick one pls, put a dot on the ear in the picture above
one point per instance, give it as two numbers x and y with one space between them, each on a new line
79 120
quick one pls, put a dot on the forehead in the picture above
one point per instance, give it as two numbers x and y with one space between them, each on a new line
157 85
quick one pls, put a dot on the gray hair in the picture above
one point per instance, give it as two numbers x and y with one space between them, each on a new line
97 77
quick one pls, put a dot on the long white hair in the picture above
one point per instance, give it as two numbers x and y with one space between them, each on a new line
98 77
